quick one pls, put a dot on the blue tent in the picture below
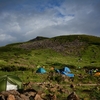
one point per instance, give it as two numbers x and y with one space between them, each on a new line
66 69
41 70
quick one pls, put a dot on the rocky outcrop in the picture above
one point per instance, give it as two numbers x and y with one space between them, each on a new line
73 47
16 95
39 93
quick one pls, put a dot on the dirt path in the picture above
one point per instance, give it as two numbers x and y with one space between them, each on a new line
89 84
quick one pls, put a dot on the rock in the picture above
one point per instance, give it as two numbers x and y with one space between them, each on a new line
17 97
2 97
5 93
53 97
32 93
62 90
11 97
14 92
72 86
53 89
37 97
24 97
28 85
73 96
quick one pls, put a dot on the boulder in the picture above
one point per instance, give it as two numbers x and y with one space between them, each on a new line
2 97
73 96
24 97
11 97
37 97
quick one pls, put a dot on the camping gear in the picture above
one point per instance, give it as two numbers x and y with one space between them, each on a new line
10 82
67 74
41 70
57 70
66 71
97 74
52 68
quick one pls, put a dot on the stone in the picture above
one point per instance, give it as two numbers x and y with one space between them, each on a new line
11 97
73 96
37 97
23 97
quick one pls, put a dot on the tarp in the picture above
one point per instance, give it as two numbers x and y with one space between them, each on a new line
41 70
10 82
67 74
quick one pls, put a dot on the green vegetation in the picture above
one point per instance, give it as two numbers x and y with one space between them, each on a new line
85 38
78 56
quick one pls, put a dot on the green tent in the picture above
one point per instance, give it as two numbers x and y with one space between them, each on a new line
10 82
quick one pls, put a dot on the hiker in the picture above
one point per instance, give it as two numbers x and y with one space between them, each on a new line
90 72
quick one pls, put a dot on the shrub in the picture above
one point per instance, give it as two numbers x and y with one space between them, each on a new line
9 68
23 68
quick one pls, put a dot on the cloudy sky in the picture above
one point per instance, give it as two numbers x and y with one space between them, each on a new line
22 20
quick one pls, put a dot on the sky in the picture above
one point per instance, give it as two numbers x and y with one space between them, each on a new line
23 20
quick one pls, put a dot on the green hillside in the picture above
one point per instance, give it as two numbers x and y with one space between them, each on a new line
74 50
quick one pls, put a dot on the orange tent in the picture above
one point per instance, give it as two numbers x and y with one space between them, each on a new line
97 74
52 68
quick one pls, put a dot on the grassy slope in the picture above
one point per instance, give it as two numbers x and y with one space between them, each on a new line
90 56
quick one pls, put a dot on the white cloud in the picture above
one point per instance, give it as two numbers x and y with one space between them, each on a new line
38 25
5 37
13 27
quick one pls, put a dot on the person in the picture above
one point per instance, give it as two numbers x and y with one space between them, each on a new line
90 72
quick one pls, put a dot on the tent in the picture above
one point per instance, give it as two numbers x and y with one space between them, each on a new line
66 69
97 74
41 70
10 82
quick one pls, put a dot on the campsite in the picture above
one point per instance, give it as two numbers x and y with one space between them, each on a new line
50 72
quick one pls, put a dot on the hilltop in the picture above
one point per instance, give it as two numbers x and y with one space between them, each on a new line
74 45
69 45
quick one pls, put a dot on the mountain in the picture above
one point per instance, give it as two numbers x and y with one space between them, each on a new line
38 38
77 50
68 45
